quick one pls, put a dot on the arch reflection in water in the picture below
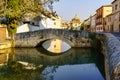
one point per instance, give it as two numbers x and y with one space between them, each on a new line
56 46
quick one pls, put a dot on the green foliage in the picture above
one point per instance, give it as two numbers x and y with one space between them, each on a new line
12 15
12 11
15 4
81 27
12 28
16 10
73 28
19 9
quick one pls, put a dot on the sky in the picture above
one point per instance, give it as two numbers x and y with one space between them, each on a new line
67 9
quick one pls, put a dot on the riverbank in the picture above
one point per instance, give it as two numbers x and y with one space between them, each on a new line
5 44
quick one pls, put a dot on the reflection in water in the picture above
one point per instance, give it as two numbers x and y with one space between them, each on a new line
73 72
33 64
56 46
4 55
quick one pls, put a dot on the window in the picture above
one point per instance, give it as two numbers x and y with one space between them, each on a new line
116 16
112 8
101 28
119 4
119 27
119 16
105 23
109 19
54 23
54 46
116 7
108 10
111 28
108 28
76 24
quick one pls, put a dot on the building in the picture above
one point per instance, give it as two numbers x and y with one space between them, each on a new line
48 20
3 32
76 22
108 23
57 22
92 23
116 16
54 22
101 13
112 21
87 24
65 25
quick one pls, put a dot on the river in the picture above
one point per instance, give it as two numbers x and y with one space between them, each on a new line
39 64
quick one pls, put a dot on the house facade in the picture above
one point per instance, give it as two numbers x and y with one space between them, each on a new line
43 23
92 23
108 23
54 22
65 25
116 15
87 24
112 21
101 13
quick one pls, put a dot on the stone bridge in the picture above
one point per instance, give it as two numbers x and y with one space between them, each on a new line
105 43
36 38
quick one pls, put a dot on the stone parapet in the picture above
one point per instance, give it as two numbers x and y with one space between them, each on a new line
111 50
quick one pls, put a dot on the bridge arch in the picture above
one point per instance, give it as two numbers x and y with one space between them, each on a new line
40 42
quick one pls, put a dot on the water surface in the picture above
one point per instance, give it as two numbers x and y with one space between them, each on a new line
38 64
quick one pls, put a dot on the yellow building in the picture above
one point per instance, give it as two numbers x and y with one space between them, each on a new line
101 13
112 21
76 22
65 25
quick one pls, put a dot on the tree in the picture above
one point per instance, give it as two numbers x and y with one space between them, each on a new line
16 10
82 27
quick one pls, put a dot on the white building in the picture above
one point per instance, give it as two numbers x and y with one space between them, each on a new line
92 23
44 23
87 24
54 22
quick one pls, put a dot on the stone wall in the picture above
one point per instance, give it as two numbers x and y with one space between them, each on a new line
3 35
110 47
